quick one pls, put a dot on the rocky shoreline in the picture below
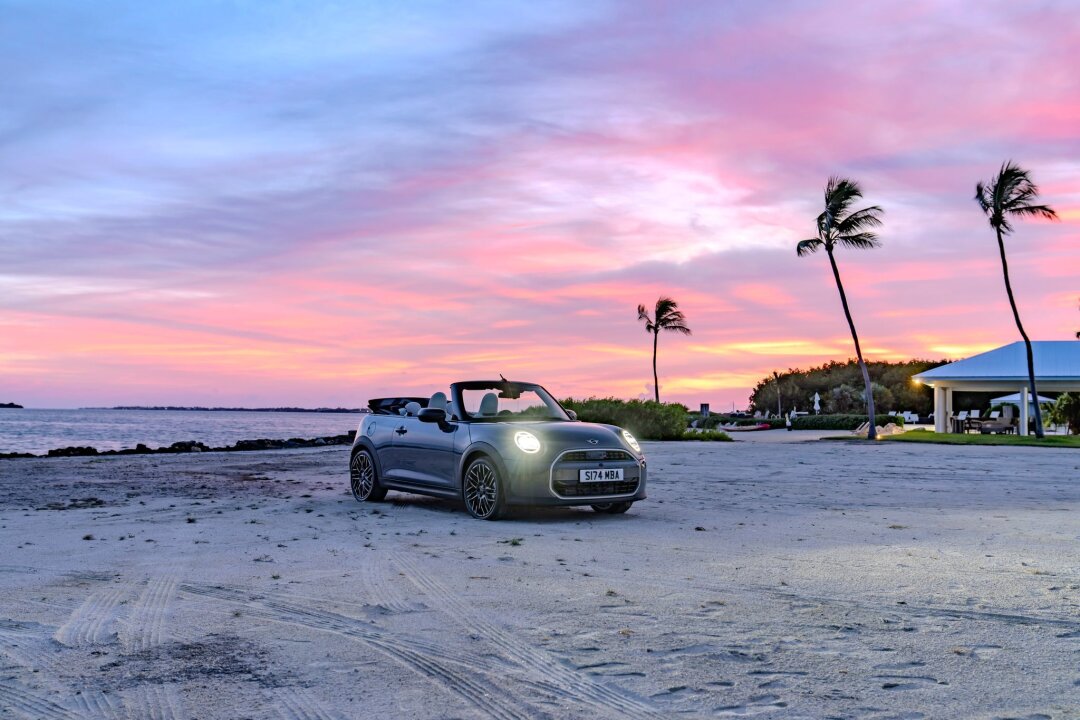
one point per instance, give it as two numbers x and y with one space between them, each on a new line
195 446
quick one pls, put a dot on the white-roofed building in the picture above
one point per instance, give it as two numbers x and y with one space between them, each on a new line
1057 369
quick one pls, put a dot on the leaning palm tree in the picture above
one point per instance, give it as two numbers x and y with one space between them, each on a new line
667 316
840 226
1011 194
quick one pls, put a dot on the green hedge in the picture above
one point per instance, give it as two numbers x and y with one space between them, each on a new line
647 420
840 422
713 435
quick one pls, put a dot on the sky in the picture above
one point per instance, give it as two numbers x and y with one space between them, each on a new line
314 203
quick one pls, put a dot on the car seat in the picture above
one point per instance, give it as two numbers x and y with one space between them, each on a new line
489 406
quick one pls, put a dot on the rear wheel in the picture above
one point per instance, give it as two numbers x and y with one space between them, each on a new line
482 490
362 480
612 508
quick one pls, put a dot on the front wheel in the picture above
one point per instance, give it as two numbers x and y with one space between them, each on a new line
612 508
365 486
482 490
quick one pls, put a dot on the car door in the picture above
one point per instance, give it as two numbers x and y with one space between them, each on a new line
423 453
379 429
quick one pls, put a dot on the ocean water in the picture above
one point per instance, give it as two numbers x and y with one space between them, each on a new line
38 431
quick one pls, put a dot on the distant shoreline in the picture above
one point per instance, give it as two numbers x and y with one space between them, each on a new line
227 409
11 406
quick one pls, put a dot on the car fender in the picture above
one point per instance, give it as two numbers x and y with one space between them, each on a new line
363 442
487 449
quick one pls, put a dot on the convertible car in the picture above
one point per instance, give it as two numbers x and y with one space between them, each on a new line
494 444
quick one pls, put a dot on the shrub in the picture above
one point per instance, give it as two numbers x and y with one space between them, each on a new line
646 419
713 435
839 422
1066 411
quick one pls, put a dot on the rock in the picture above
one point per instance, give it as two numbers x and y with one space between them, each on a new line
72 452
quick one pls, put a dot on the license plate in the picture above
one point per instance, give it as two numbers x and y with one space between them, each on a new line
600 475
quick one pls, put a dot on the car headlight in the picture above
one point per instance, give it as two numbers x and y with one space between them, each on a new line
527 442
631 440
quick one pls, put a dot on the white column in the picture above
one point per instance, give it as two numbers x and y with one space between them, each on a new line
948 409
1025 400
941 422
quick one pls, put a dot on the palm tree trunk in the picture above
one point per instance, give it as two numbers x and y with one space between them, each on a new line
1027 342
872 434
779 409
655 379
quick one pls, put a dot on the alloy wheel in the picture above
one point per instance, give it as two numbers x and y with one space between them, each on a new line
362 476
481 489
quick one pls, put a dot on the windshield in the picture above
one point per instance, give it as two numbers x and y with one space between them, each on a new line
502 402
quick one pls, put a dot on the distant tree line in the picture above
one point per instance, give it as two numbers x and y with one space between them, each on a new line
842 391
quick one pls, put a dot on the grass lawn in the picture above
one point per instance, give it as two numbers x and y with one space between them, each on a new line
925 436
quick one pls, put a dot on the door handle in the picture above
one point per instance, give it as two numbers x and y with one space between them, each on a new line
401 430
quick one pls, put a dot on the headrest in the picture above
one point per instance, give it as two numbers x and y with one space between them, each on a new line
412 409
438 400
489 406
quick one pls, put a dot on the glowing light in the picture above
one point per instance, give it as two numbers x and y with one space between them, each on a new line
527 442
631 440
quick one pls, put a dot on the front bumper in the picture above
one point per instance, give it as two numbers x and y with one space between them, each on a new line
554 480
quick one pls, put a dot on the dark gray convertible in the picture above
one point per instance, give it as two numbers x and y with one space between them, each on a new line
494 444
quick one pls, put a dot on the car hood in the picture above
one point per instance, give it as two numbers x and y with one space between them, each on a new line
575 433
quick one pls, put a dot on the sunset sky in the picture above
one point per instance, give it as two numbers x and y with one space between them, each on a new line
307 203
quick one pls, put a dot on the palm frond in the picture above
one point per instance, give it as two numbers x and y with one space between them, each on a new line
1044 211
860 220
643 314
840 193
982 196
669 316
1011 192
859 241
838 224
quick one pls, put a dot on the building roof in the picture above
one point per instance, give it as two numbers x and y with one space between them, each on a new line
1014 399
1055 360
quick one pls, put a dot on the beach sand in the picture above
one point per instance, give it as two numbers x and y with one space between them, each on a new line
768 579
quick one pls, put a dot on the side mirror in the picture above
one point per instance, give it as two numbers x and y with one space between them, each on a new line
432 415
572 414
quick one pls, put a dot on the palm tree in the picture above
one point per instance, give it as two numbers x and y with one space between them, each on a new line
667 316
838 225
1011 194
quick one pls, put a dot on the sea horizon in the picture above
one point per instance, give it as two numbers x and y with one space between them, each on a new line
38 430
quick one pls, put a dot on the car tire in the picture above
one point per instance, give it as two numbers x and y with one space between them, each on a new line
482 490
363 479
612 508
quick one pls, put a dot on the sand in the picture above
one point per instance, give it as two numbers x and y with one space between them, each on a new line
767 577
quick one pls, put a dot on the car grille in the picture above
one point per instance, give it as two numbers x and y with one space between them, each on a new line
576 489
565 473
596 455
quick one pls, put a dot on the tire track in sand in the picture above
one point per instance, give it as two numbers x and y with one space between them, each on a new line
97 704
380 587
573 685
92 622
24 702
470 684
28 644
298 704
145 626
154 702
